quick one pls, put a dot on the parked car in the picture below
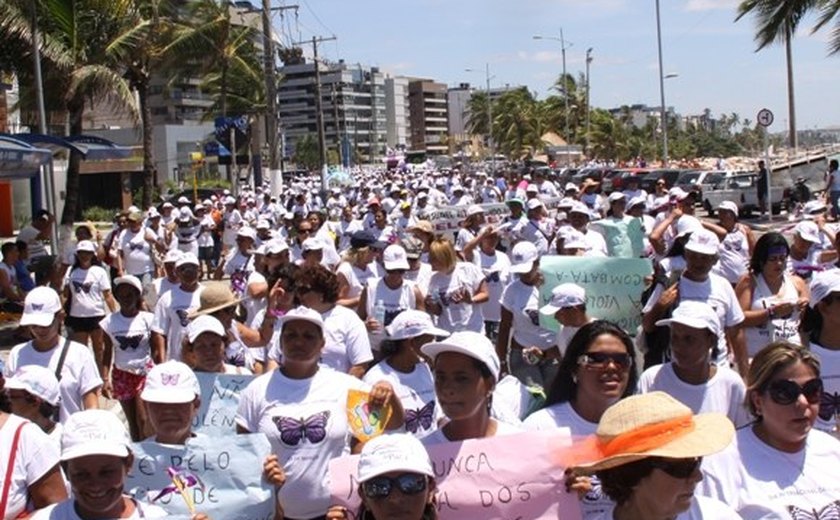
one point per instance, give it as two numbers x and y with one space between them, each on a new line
615 180
742 190
649 181
689 180
597 174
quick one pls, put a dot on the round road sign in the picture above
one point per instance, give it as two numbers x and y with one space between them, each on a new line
765 117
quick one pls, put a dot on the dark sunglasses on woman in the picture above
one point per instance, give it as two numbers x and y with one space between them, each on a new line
784 392
678 468
408 484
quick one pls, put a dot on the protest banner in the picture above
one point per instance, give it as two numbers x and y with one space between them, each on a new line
219 400
228 475
613 286
486 478
447 219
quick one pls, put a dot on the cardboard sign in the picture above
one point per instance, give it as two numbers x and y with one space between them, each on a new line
365 423
219 400
505 477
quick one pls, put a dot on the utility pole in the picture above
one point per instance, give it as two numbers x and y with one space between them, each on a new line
490 119
588 104
337 127
663 110
565 84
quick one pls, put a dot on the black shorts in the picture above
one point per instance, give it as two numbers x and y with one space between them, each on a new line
83 324
205 254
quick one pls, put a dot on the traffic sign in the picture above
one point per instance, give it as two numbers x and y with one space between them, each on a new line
765 117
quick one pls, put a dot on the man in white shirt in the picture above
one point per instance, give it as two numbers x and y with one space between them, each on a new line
172 310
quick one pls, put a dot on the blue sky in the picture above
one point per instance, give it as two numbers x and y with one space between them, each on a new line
714 57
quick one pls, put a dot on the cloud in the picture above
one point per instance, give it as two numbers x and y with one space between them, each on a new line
399 67
710 5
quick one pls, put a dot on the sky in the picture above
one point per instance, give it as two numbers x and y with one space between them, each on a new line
714 57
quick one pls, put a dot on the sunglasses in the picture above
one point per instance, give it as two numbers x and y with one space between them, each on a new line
381 487
304 231
678 468
601 360
784 392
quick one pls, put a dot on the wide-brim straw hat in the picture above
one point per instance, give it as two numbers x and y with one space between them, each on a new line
215 296
649 425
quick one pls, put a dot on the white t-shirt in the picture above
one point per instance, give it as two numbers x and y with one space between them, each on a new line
523 302
346 338
238 267
830 375
786 329
393 300
66 511
702 508
437 436
416 391
35 246
565 335
761 482
171 318
305 421
458 316
35 456
79 374
160 286
723 393
130 337
356 278
205 237
420 277
536 232
734 254
463 238
496 269
137 252
560 415
87 287
232 221
254 305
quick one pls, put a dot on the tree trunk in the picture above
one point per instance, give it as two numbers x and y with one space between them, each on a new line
76 112
794 142
149 168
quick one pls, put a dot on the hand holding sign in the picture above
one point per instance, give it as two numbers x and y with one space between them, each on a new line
367 414
181 482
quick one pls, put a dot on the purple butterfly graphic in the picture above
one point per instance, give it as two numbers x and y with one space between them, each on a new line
829 512
533 315
187 480
82 287
421 417
182 317
239 281
829 405
135 247
313 428
129 342
169 379
493 277
37 307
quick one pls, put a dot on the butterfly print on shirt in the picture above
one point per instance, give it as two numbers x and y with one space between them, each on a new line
182 317
829 512
129 342
420 417
82 287
292 431
829 405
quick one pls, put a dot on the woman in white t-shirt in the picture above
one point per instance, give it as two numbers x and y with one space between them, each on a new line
302 409
456 289
770 297
355 270
780 467
820 330
466 370
128 352
88 292
495 265
35 474
204 347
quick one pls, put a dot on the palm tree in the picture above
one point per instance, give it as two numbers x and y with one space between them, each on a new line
477 113
517 124
777 21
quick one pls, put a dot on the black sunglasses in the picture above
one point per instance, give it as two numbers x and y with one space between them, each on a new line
408 484
677 468
601 360
784 392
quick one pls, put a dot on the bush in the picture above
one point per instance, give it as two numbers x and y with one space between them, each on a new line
98 214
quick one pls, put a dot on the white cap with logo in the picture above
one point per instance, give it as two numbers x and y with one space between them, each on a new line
468 343
171 382
694 314
394 257
94 432
38 381
523 256
387 453
703 242
40 307
564 296
411 324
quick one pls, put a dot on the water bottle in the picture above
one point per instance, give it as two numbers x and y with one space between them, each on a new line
379 312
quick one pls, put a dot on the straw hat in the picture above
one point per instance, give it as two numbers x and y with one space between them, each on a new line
588 183
215 296
651 425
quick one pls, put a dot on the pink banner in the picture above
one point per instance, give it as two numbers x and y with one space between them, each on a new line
508 477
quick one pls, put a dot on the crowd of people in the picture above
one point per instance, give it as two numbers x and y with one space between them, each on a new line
723 403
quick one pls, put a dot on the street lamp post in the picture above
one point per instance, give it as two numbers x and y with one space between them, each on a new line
588 104
563 46
662 115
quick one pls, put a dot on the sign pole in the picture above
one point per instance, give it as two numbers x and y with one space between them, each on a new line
765 119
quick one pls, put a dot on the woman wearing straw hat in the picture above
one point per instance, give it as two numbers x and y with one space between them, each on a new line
647 453
780 467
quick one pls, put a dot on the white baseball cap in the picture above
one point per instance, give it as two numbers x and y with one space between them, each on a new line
468 343
522 257
129 279
616 196
808 231
813 207
637 201
263 224
172 256
202 324
247 232
412 323
534 204
85 246
171 382
694 314
38 381
580 207
532 188
570 186
401 452
574 239
302 313
312 244
394 257
274 247
676 193
229 200
728 205
183 200
475 209
704 242
687 224
564 296
823 284
40 307
94 432
186 259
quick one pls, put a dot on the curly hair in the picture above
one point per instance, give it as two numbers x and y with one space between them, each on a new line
319 279
618 482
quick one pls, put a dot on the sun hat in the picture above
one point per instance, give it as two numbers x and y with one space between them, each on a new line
650 425
588 183
186 259
394 257
361 239
40 306
424 226
615 197
400 452
85 246
694 314
247 232
534 204
412 323
468 343
135 216
128 279
311 244
302 313
171 382
522 257
808 231
728 205
823 284
474 209
704 242
687 224
204 323
94 432
215 296
36 380
413 247
564 296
